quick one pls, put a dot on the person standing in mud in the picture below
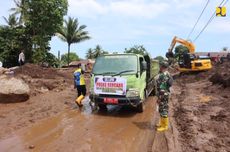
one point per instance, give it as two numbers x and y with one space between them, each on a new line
21 58
79 83
164 82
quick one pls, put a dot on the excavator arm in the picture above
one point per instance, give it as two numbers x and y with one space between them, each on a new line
187 61
189 45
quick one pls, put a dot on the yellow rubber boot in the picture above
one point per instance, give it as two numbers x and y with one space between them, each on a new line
79 100
164 126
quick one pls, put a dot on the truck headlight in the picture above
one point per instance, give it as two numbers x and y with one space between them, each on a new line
133 93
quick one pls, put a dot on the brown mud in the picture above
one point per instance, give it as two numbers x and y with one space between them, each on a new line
51 121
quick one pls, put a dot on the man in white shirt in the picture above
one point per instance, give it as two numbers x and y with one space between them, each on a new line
21 58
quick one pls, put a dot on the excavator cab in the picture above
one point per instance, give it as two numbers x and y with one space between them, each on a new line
185 60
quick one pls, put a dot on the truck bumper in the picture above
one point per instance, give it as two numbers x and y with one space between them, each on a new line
120 100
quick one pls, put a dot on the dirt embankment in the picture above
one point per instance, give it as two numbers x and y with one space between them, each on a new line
42 80
201 110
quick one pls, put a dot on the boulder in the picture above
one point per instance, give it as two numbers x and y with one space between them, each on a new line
13 90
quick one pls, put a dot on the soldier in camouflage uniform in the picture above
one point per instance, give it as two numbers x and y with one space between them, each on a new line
164 82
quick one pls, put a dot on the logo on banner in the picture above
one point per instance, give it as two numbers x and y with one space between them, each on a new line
221 11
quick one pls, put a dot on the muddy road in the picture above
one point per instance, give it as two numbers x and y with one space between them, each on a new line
119 129
51 121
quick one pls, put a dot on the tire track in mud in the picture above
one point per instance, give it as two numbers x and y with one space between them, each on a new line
180 114
152 138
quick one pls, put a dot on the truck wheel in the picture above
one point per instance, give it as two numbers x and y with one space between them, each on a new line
140 107
102 107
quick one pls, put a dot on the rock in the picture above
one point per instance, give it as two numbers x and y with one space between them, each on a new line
44 90
31 147
13 89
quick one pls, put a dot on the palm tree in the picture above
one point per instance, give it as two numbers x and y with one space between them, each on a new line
72 32
20 9
98 51
89 54
12 20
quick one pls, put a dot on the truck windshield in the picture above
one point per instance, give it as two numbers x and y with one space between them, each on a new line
115 65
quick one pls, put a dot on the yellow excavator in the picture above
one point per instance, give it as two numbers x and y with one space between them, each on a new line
188 61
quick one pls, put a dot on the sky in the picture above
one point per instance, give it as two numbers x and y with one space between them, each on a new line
119 24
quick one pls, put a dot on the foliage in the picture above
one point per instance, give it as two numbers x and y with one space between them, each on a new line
136 49
72 57
72 32
180 49
20 10
39 21
99 51
12 21
51 59
12 41
159 58
89 54
43 19
94 53
45 58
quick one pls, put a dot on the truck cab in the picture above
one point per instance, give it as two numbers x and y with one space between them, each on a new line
122 79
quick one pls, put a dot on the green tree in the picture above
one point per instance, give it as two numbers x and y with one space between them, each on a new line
12 40
45 58
180 49
72 32
159 58
89 54
98 51
136 49
43 19
20 9
72 57
94 53
12 21
51 59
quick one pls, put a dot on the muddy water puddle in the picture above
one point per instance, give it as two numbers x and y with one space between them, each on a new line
83 130
41 133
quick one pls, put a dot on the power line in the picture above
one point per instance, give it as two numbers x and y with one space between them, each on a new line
225 2
209 21
198 19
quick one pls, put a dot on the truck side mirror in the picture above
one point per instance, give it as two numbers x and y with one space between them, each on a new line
144 65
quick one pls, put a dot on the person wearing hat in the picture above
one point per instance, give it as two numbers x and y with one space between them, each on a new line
164 82
79 83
